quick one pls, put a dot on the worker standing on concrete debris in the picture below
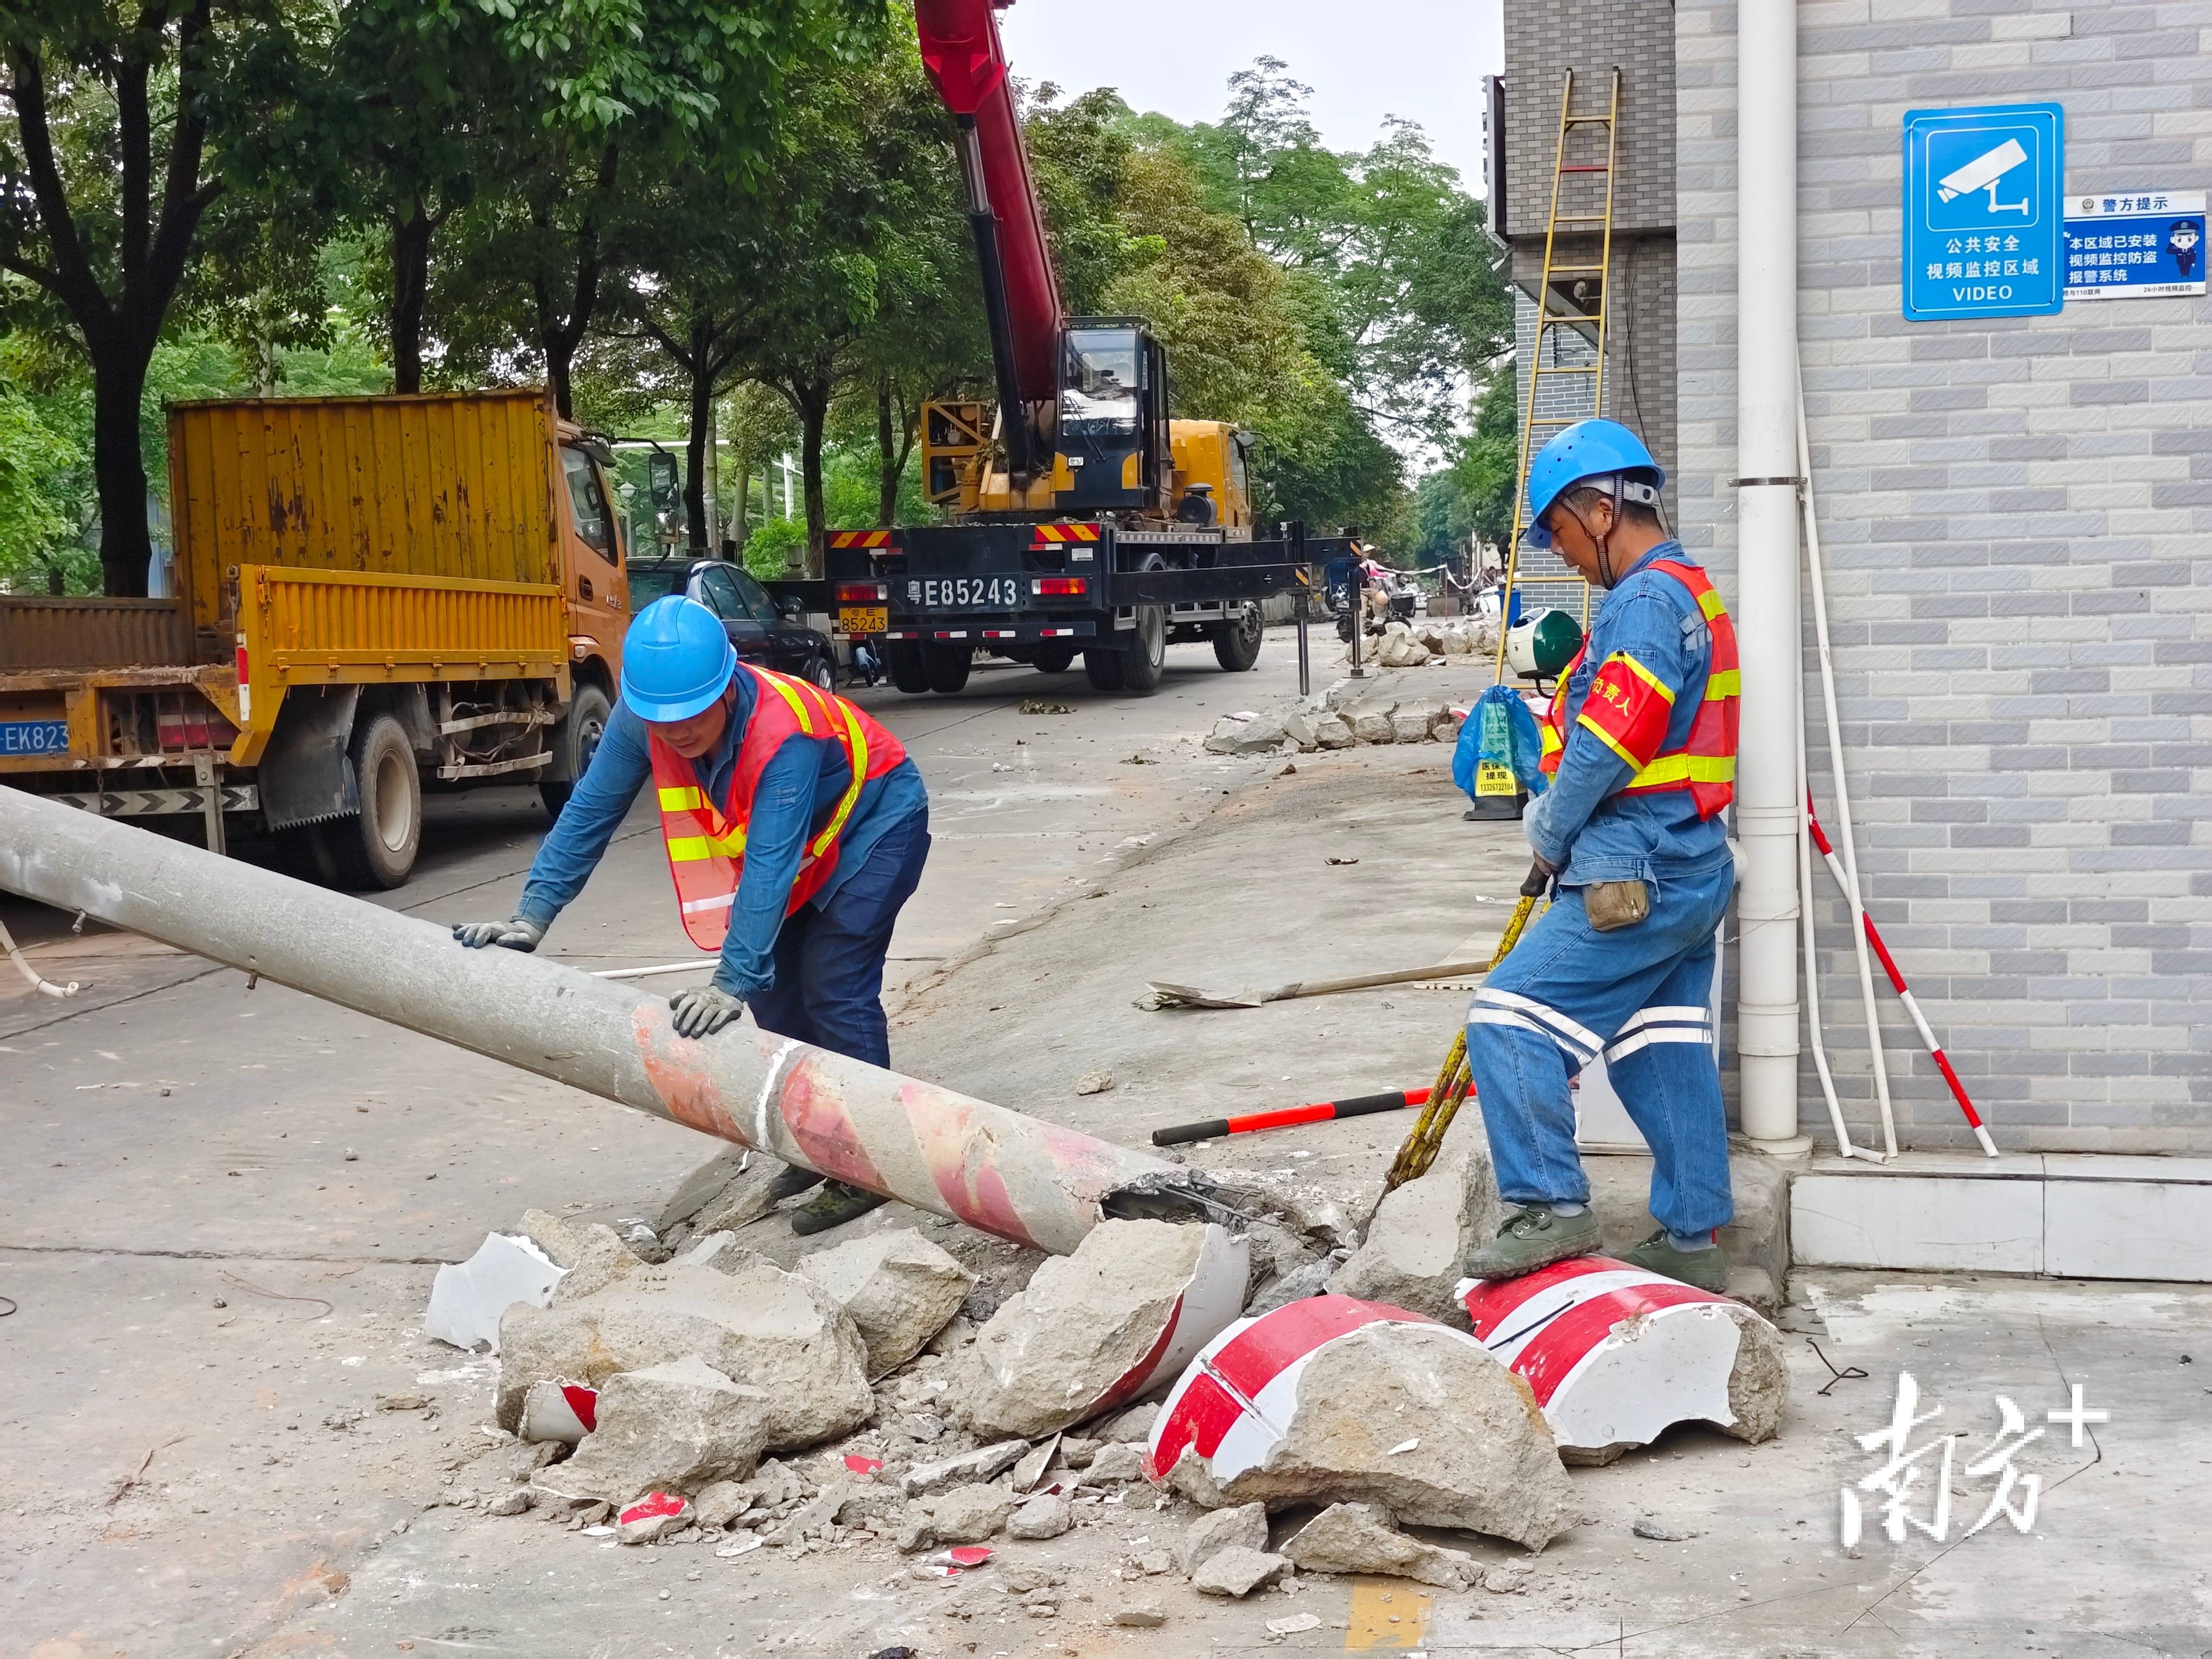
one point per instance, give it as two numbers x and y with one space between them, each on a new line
1640 746
795 827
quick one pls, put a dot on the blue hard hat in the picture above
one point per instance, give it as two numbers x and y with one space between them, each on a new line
1588 449
677 659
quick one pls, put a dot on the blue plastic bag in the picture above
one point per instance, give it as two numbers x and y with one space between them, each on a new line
1499 748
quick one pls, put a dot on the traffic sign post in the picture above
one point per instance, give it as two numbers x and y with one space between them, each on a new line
1984 218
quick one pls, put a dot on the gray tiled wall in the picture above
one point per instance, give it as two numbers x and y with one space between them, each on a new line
2013 518
1545 38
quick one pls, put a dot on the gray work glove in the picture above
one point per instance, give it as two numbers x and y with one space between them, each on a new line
705 1011
514 933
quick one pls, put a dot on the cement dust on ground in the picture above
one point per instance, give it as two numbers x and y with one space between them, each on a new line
284 1511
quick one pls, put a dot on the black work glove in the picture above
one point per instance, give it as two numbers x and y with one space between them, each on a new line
514 933
703 1011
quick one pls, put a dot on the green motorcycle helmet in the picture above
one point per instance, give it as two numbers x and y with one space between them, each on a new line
1541 648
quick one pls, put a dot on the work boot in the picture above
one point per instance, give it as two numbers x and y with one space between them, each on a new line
833 1207
793 1182
1532 1237
1707 1269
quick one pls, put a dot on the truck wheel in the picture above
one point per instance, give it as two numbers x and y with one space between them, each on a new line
903 658
1054 656
575 740
377 849
1103 668
946 665
1237 644
1145 661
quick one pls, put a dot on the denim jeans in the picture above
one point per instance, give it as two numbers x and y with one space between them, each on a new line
828 984
1639 996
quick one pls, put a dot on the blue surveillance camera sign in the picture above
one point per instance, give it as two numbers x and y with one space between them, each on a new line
1984 222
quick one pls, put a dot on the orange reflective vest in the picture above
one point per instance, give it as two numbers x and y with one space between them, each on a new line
1629 708
707 844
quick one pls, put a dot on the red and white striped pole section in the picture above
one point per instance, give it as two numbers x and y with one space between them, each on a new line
1897 982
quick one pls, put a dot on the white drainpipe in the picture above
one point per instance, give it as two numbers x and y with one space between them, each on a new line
1767 808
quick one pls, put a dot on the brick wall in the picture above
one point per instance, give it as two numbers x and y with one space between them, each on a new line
2013 515
1544 39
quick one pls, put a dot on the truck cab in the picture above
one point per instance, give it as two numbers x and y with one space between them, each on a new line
1115 451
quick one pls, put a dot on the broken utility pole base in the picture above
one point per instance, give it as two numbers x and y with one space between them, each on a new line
1015 1176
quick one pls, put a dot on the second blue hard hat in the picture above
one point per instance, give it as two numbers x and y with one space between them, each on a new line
677 659
1588 449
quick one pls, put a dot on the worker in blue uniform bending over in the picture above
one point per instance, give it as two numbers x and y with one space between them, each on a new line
795 827
1640 745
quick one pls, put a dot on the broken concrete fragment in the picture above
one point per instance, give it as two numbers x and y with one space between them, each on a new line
1314 1403
1650 1526
1100 1327
968 1515
817 1514
1029 1468
1370 721
899 1288
467 1297
674 1427
1299 727
1246 734
593 1253
1360 1538
1239 1572
1076 1452
1617 1354
1507 1577
981 1464
651 1515
1245 1527
1333 732
720 1502
1132 1427
1416 1247
1045 1516
1094 1083
1115 1464
1145 1614
558 1411
761 1328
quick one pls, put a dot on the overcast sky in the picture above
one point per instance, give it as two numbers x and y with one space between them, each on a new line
1365 60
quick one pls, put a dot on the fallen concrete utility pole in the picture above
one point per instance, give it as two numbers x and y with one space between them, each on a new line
1015 1176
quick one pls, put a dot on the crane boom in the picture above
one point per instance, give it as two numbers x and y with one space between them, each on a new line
965 59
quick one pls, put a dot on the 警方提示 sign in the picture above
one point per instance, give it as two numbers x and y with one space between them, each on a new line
1984 213
2134 245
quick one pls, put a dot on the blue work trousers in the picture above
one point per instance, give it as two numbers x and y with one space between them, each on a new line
1640 996
828 984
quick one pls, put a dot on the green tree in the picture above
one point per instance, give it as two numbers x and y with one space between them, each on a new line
137 145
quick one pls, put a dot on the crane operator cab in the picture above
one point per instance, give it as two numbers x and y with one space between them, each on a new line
1113 438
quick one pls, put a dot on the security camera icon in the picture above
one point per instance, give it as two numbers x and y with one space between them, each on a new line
1986 172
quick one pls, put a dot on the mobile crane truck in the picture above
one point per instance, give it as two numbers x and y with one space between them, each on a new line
1081 518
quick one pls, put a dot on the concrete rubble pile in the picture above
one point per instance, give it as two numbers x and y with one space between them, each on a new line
1348 714
881 1392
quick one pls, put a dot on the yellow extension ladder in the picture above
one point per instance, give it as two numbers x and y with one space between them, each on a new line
1582 136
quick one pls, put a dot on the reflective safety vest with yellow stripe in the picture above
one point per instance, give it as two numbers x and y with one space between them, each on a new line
1629 708
707 844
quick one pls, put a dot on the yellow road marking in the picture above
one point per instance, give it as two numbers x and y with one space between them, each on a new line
1386 1613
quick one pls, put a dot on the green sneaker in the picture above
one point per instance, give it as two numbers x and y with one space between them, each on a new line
1706 1269
833 1207
791 1182
1533 1237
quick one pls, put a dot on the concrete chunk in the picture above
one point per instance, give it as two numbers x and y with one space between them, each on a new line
1045 1516
984 1463
761 1327
899 1288
677 1428
1246 734
592 1252
1243 1527
1100 1327
1359 1383
1115 1464
1361 1538
1417 1245
1237 1571
970 1513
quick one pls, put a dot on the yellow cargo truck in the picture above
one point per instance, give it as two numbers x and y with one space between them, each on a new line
373 596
